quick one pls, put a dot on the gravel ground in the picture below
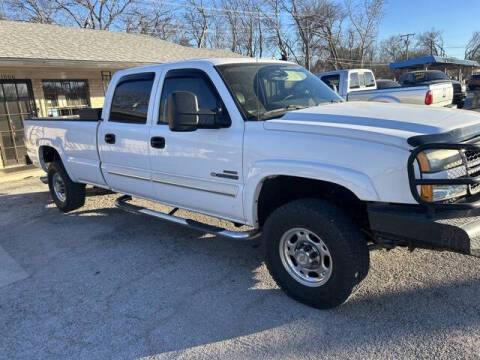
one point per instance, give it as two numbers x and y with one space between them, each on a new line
100 283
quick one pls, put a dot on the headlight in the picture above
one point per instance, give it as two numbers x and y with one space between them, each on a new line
441 164
464 88
432 161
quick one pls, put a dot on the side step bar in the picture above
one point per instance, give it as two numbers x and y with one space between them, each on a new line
122 203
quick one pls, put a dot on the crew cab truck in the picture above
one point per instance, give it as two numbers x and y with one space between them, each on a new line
267 144
360 85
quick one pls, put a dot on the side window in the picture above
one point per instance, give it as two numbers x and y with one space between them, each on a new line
332 81
354 82
369 80
195 82
131 98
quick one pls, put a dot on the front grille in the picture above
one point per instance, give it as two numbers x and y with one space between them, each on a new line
473 168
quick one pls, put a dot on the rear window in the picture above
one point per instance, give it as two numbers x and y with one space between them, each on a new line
131 98
361 80
354 82
436 75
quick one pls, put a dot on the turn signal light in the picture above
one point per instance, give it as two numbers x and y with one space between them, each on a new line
427 190
429 98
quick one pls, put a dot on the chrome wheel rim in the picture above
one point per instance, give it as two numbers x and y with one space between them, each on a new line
59 187
306 257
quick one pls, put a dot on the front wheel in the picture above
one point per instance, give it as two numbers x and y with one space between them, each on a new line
315 253
66 194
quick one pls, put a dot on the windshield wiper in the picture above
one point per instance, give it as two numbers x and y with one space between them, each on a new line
276 113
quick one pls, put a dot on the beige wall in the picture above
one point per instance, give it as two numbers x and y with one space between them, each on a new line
36 75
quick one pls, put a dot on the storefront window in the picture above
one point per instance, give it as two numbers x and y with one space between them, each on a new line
65 97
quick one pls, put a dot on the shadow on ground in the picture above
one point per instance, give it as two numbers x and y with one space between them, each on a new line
108 284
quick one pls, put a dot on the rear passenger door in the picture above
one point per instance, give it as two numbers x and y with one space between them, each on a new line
123 135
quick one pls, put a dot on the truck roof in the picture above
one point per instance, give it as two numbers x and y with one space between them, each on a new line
342 71
212 61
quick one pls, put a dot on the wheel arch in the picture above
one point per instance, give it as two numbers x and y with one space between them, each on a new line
48 153
316 181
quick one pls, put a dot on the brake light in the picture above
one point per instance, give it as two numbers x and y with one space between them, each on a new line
429 98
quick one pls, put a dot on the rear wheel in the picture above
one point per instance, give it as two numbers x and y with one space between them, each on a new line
66 194
315 253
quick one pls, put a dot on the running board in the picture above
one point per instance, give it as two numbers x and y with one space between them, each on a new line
122 203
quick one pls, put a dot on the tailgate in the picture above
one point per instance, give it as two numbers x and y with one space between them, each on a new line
442 94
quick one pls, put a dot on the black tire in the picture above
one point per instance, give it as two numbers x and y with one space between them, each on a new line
74 193
350 258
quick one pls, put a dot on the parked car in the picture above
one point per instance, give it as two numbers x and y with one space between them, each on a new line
387 84
428 77
474 82
268 145
360 85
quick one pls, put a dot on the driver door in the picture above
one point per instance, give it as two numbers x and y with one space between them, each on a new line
199 170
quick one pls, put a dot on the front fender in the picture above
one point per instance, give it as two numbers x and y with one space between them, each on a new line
357 182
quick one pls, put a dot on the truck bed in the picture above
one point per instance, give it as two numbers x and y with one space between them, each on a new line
442 95
74 138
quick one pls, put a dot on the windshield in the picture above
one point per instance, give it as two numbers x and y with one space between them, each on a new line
265 91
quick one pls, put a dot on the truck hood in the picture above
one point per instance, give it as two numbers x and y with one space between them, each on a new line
386 123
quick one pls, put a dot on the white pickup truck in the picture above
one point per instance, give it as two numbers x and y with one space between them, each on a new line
268 145
360 85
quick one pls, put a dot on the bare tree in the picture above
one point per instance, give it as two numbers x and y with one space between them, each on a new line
96 14
277 32
392 49
250 37
472 50
365 16
158 22
303 13
430 43
231 11
329 18
40 11
198 21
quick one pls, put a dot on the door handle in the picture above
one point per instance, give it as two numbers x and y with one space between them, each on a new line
157 142
110 138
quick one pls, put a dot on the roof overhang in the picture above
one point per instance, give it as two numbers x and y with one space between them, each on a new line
66 63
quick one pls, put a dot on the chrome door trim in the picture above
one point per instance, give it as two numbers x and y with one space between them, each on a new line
128 175
185 186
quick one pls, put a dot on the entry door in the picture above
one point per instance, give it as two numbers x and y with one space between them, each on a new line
16 104
199 170
123 137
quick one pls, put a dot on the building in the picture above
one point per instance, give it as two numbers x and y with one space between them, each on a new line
456 68
51 70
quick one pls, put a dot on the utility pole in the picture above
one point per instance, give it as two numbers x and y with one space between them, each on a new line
407 41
